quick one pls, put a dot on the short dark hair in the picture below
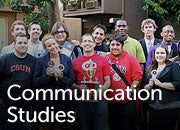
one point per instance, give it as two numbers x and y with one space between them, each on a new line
117 38
121 20
34 22
19 35
101 27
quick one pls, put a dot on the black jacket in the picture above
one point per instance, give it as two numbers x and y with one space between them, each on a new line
170 98
143 44
42 81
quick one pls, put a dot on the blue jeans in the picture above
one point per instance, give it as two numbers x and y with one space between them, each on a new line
93 115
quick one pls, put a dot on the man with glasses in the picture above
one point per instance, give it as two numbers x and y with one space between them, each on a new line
167 38
61 35
91 72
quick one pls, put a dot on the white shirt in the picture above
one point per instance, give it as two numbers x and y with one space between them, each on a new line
169 48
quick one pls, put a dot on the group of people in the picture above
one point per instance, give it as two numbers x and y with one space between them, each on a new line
55 62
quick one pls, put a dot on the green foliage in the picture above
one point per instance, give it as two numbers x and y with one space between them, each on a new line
64 1
167 9
27 7
42 17
1 3
74 4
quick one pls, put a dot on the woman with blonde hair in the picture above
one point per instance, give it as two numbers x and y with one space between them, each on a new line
52 71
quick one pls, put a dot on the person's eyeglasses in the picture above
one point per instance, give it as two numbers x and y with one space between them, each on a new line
87 41
169 31
61 32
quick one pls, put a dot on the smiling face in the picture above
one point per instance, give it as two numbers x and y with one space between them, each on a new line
121 27
21 45
98 35
18 29
116 48
160 55
60 35
167 33
35 31
88 44
51 46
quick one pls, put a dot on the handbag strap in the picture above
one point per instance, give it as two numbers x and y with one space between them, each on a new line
118 72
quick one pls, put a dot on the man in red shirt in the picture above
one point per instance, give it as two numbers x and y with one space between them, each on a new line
91 72
121 113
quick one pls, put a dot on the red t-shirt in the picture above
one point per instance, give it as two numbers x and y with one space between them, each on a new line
90 68
129 67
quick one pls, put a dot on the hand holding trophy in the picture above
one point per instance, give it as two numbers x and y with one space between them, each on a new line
151 80
50 69
154 74
58 71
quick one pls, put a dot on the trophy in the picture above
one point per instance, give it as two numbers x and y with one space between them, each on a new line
58 70
90 68
154 73
91 72
90 80
50 68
